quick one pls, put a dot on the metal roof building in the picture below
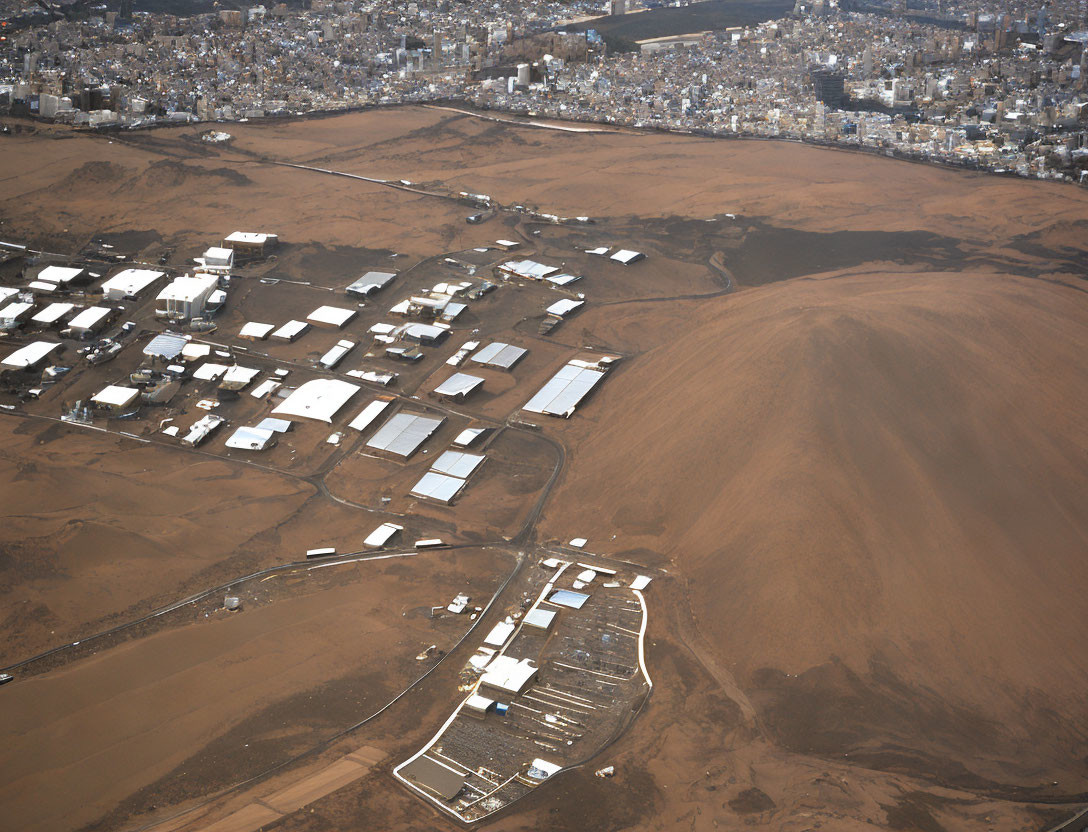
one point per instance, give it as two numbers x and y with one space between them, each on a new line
529 269
58 274
440 487
459 385
498 354
626 256
561 395
53 313
404 433
116 396
167 346
319 398
382 535
129 283
568 598
539 619
237 377
255 330
273 424
209 371
29 355
15 312
291 330
457 464
335 316
469 435
509 675
562 308
89 319
563 279
371 282
369 413
251 439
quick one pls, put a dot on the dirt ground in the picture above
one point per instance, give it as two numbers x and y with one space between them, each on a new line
197 707
848 420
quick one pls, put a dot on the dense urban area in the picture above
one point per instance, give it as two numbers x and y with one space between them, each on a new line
1002 87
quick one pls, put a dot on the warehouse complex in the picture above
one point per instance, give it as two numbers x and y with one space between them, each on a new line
548 686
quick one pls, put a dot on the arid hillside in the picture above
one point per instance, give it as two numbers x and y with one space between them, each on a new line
877 490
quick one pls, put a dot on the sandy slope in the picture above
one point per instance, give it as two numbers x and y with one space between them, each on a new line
877 487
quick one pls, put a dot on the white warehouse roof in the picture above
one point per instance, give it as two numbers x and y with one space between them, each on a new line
459 384
470 435
457 463
509 674
130 281
626 256
438 487
218 256
563 279
499 633
251 439
404 433
58 274
89 318
256 330
498 354
320 398
251 237
331 315
29 355
371 282
291 330
382 535
562 308
368 414
188 289
529 269
564 391
15 310
240 376
53 313
116 395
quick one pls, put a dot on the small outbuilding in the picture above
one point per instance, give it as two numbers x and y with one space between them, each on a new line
334 316
116 397
458 386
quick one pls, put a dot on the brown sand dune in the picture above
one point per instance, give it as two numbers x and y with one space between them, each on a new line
879 491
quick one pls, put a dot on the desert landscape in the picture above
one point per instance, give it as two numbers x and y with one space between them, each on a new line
841 422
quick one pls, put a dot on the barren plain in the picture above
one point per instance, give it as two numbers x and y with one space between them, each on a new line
847 434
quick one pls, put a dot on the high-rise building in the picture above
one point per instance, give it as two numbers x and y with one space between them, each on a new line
829 88
617 7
